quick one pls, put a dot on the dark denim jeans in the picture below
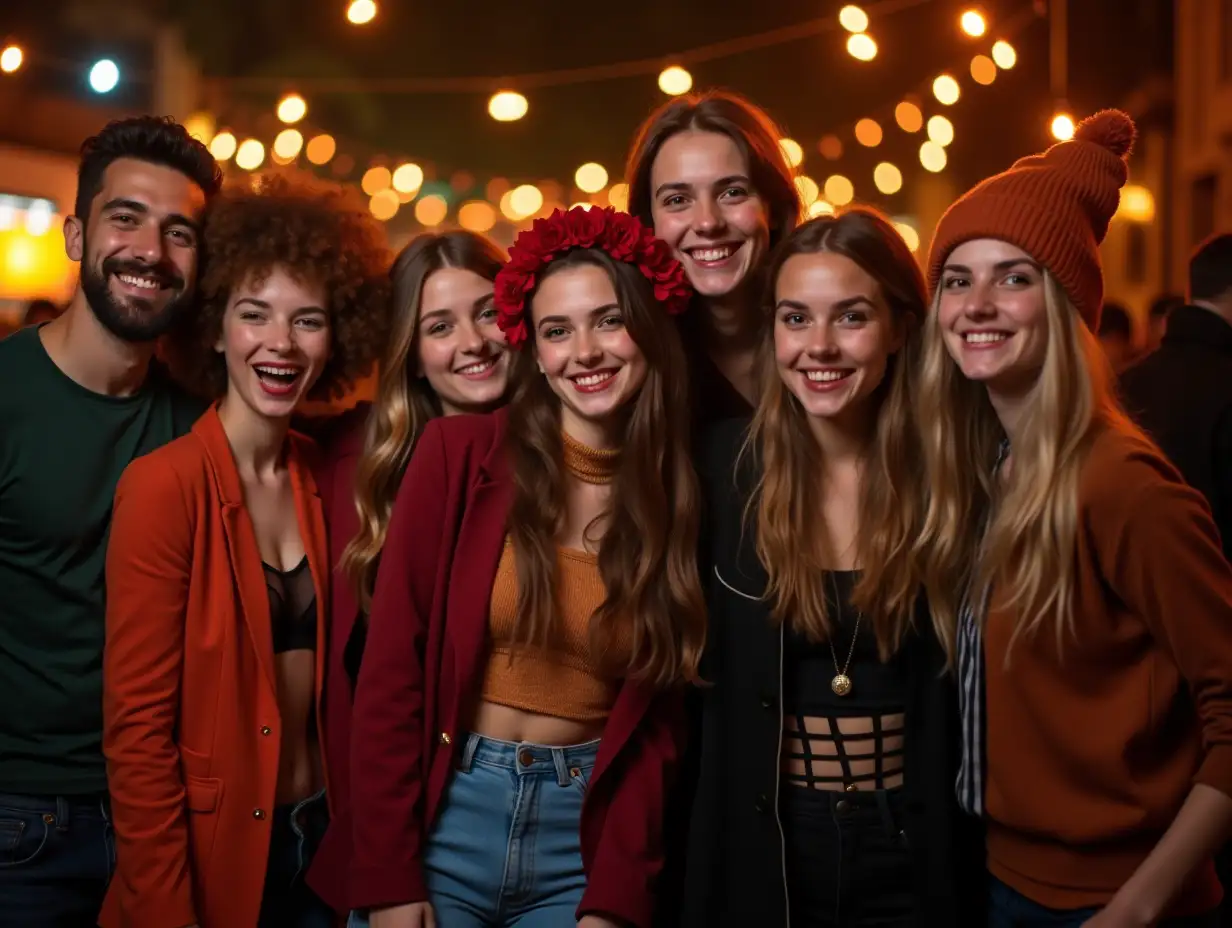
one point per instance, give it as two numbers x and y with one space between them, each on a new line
57 855
287 902
1008 908
848 864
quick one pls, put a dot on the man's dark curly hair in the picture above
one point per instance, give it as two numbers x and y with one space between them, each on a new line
153 139
317 233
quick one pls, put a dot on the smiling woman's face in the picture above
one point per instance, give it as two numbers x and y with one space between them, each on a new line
705 207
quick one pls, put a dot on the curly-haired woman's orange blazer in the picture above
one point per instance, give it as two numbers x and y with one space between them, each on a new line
191 720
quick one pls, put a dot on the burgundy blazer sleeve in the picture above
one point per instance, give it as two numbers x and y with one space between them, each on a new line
623 877
387 728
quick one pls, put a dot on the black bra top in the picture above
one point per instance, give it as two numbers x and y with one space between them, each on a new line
293 607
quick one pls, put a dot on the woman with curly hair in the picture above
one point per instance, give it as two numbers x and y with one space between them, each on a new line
537 611
706 172
446 356
218 576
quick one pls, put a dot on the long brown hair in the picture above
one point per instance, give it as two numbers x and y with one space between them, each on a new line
648 554
787 504
404 402
742 121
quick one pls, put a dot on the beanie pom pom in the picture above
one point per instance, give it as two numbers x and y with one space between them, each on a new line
1110 129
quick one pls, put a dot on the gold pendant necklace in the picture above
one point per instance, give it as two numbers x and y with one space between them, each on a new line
841 683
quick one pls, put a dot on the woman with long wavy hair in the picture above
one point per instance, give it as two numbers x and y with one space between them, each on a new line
706 172
1084 580
445 356
828 747
538 611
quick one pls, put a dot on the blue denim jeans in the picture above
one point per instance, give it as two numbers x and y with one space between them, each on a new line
506 850
1008 908
296 833
57 855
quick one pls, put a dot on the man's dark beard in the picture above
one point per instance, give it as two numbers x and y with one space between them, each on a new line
132 318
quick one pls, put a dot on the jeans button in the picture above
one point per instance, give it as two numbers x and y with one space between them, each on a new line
266 730
525 757
842 806
258 813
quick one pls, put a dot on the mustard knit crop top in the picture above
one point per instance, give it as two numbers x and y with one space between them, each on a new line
561 680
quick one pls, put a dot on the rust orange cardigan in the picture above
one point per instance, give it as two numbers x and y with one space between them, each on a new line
191 719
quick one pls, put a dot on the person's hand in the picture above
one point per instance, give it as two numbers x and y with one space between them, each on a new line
1115 915
595 921
412 915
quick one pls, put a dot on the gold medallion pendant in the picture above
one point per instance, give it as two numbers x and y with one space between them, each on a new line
841 684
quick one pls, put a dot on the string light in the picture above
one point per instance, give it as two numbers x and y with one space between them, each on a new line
222 146
820 208
590 177
831 147
910 236
839 190
888 178
1137 204
287 145
407 178
868 133
10 59
104 76
476 216
946 90
792 151
973 23
675 80
932 157
320 149
525 200
618 197
808 189
361 12
1062 127
375 180
507 106
431 211
940 130
909 117
862 47
1004 55
249 155
853 19
292 108
983 70
384 205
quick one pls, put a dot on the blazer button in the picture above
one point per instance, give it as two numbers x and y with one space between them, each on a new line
762 805
266 730
258 813
445 739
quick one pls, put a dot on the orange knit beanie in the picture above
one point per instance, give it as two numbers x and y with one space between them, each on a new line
1055 207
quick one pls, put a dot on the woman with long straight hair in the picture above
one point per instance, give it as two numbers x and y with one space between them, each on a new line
537 611
828 745
445 356
218 577
1085 580
707 173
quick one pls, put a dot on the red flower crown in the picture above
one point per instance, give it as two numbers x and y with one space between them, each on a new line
619 234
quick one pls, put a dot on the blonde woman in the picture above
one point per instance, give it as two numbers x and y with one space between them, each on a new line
829 739
446 356
1093 641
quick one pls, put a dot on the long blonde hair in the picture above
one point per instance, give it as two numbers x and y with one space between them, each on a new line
404 402
786 505
1019 534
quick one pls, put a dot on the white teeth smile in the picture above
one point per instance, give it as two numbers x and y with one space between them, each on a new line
590 380
712 254
478 368
145 283
985 338
284 372
825 376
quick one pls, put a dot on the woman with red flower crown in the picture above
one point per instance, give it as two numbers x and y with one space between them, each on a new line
538 611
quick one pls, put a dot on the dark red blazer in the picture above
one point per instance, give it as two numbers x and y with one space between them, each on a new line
341 444
423 670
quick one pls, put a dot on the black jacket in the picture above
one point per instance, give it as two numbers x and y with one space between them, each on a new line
734 863
1182 395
